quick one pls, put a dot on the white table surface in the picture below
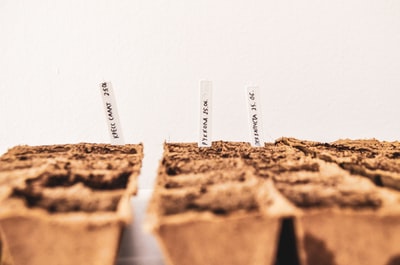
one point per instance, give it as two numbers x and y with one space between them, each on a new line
137 246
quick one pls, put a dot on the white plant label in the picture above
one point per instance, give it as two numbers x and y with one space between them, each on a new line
205 139
254 116
110 108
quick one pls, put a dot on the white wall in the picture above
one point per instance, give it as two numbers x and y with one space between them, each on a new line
326 69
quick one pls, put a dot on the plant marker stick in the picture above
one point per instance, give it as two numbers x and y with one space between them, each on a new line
205 139
254 116
110 108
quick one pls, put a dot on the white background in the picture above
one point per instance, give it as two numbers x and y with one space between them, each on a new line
326 69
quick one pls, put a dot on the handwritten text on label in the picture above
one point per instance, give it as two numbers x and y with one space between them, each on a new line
205 113
111 113
254 116
204 140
